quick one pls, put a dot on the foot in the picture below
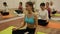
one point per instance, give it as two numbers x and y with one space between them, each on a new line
26 32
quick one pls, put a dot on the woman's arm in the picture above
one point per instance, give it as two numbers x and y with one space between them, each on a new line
36 20
47 18
19 24
36 23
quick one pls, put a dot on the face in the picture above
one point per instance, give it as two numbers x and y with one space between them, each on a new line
5 4
42 7
28 7
20 4
47 4
51 3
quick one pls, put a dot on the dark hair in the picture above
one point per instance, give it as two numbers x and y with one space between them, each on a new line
47 3
20 3
31 4
42 4
4 3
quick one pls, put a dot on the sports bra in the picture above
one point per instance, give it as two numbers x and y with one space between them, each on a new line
29 20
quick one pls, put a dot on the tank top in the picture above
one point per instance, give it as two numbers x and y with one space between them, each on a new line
29 20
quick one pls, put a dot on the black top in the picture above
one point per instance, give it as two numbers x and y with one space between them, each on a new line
18 11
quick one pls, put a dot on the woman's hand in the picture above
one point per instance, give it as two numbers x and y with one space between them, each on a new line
14 29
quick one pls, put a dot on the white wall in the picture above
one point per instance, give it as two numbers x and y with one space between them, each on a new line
15 3
56 3
12 3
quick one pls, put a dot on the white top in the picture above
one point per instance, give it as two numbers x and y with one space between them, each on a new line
43 15
5 9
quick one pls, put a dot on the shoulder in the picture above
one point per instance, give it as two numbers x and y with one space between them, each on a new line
35 16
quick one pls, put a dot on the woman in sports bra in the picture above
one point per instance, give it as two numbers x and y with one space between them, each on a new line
30 20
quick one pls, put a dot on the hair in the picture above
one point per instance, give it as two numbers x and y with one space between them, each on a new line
47 2
51 3
4 3
20 3
42 4
31 4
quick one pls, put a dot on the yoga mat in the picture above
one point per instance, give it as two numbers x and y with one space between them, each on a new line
55 18
54 25
7 30
40 33
57 14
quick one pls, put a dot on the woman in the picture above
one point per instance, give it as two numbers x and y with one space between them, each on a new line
49 10
43 15
20 6
5 10
53 10
19 10
30 20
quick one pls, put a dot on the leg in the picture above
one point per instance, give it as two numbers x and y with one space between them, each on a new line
42 22
31 30
18 32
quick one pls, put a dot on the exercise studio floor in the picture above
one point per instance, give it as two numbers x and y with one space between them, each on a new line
6 27
52 28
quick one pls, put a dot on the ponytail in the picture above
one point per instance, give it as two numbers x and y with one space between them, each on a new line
33 9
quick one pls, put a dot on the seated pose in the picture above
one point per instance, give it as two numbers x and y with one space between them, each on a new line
5 10
30 20
49 10
20 9
53 10
43 15
20 6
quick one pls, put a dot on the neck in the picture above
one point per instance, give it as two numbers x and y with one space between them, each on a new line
43 9
29 12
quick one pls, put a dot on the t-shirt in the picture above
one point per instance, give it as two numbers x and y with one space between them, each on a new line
5 9
43 15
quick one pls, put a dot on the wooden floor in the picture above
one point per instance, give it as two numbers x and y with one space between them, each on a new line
52 28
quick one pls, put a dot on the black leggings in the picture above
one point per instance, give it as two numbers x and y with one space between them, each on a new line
42 22
49 16
30 30
4 13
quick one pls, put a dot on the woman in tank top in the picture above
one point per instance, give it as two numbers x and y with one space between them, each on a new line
30 20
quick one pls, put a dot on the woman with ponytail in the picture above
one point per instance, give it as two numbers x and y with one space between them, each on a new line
30 20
